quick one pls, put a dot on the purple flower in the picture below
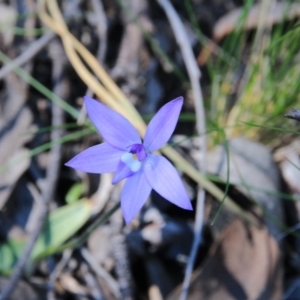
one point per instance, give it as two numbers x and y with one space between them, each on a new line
125 154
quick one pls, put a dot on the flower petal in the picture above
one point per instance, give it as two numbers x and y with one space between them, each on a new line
164 179
98 159
162 125
135 192
122 172
114 128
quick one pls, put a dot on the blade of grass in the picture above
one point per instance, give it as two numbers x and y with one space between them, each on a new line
23 31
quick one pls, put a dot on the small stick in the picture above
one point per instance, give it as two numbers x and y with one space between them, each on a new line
54 274
91 283
194 76
101 272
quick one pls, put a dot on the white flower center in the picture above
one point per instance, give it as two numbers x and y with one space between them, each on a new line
131 161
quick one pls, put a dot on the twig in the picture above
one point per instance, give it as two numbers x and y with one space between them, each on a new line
91 282
111 283
194 76
28 54
54 274
48 188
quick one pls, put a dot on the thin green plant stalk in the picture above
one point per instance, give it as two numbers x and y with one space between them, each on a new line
52 128
272 128
22 31
226 146
284 196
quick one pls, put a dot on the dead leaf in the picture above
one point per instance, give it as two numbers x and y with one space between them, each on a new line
289 163
253 172
278 12
243 263
10 176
